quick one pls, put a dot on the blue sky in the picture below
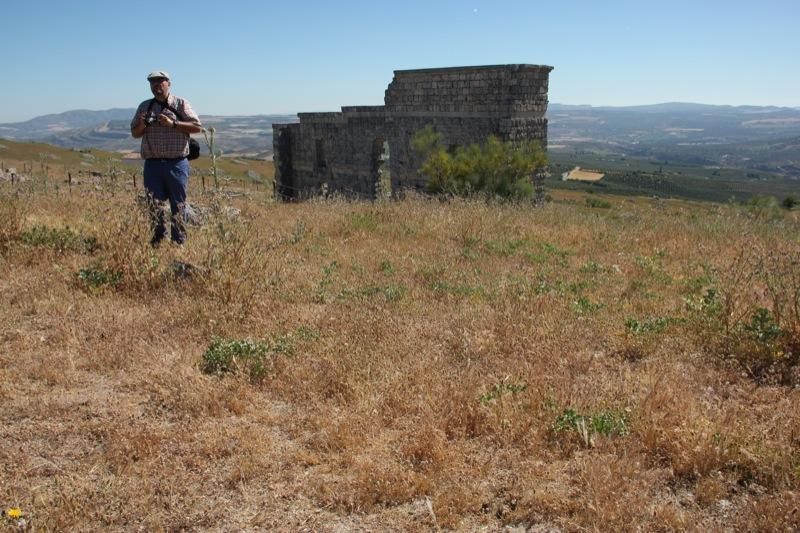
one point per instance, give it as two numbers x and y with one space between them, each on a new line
256 57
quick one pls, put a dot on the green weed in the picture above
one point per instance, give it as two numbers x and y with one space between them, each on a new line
282 344
460 290
652 266
762 327
756 341
545 252
584 306
298 232
697 284
307 333
59 239
606 423
391 293
469 247
252 358
501 389
320 293
650 325
96 277
596 203
592 267
364 222
386 267
505 247
560 287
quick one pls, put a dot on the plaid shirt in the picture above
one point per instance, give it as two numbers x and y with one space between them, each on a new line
163 142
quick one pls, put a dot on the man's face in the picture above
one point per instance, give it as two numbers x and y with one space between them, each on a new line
159 87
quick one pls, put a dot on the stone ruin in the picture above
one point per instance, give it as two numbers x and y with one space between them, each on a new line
352 151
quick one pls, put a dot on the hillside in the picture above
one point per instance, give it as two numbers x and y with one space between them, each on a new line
54 166
691 151
695 134
596 364
110 131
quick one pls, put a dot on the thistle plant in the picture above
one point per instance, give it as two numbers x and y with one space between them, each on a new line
209 136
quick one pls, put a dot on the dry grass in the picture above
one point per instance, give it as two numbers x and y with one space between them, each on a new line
427 366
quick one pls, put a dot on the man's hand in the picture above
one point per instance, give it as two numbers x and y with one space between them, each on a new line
138 129
165 120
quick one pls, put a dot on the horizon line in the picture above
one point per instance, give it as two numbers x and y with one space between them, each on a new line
615 106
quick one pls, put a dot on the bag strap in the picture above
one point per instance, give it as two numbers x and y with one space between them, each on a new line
167 106
146 137
164 106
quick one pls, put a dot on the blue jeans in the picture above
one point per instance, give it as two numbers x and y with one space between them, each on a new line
166 179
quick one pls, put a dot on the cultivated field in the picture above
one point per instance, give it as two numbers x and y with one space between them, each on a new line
616 365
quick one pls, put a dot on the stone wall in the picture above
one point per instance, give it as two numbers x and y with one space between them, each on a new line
344 152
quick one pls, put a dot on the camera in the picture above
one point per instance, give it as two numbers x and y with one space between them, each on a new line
149 119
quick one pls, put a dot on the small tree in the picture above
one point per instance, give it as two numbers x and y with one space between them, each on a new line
494 168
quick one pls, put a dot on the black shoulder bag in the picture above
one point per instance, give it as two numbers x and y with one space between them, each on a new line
194 146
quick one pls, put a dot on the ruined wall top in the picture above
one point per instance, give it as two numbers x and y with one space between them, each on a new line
514 67
507 90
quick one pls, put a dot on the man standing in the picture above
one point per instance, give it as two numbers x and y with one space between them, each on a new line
164 124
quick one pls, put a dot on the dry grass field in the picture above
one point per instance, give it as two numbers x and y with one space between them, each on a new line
398 366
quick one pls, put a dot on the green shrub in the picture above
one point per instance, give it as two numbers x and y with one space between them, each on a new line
59 239
650 325
584 306
763 341
597 203
762 327
391 292
764 207
234 356
494 168
791 201
96 277
607 423
757 344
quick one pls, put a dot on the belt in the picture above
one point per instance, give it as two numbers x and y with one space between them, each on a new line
166 159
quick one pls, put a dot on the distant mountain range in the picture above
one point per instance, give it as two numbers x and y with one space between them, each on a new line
761 137
746 137
110 130
671 123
